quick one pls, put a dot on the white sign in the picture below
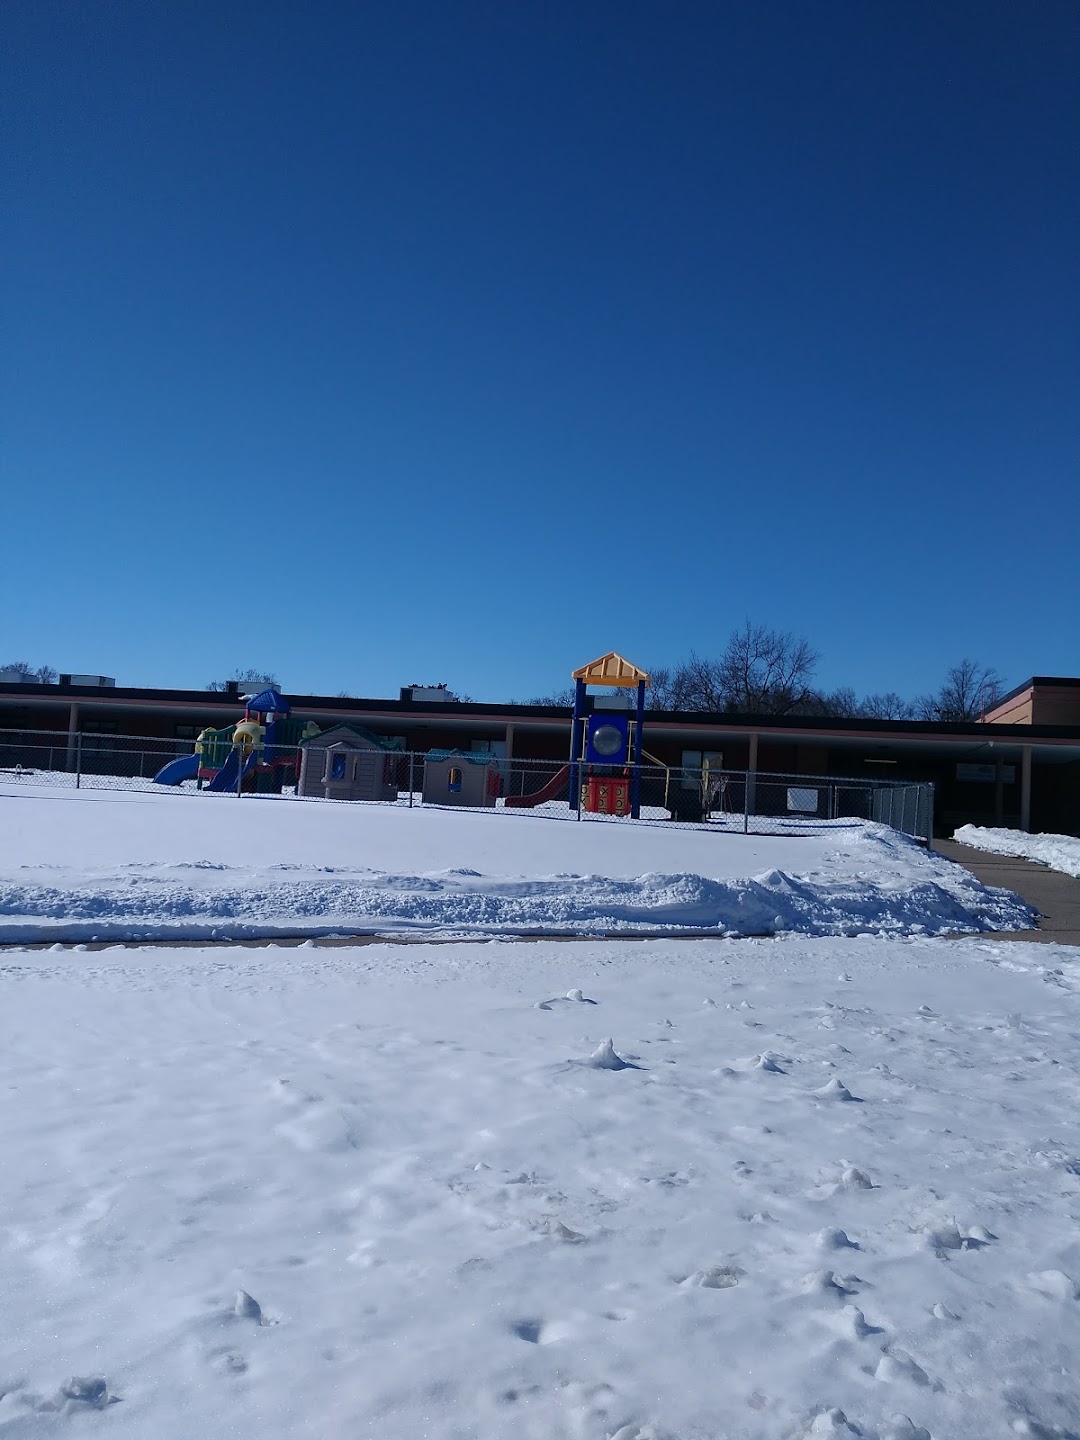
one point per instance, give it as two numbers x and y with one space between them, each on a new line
802 800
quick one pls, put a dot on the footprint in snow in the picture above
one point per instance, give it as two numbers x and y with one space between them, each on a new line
833 1239
855 1323
902 1427
718 1277
824 1282
830 1425
571 996
897 1365
769 1061
605 1057
837 1091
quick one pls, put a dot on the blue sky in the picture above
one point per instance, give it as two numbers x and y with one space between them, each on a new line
415 342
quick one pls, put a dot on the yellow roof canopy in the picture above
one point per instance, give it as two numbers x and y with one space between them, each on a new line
610 669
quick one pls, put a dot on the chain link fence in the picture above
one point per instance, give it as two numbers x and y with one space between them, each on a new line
756 802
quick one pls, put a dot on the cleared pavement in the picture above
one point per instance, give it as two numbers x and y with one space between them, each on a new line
1055 896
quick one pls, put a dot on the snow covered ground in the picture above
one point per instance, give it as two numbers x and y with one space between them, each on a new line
833 1192
1059 852
83 864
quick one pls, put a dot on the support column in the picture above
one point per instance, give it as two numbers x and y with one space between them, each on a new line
999 791
1025 788
639 731
73 730
575 747
510 742
750 801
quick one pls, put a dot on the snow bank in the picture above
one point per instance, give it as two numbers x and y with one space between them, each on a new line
1059 852
79 866
380 1192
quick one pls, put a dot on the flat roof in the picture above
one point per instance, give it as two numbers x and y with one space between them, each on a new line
457 713
1064 681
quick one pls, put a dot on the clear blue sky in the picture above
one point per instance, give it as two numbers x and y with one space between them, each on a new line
383 343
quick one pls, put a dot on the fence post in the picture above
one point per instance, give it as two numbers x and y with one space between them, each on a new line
78 761
239 772
412 759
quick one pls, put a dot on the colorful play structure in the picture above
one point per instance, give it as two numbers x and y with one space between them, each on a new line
603 775
259 752
267 750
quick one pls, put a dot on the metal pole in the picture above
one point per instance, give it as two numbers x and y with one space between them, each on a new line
239 771
635 774
575 749
412 757
78 760
751 780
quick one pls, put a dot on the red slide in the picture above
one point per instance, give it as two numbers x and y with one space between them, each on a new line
550 791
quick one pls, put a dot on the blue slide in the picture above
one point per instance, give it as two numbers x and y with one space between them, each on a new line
186 768
225 779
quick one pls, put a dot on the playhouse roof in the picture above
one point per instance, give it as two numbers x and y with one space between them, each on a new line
610 669
268 702
382 742
471 757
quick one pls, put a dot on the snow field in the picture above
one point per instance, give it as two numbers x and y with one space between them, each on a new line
1059 852
656 1191
78 865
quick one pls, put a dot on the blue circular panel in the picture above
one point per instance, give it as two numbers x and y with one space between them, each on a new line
607 740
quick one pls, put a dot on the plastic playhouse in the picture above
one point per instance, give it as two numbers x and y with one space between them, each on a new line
349 763
460 777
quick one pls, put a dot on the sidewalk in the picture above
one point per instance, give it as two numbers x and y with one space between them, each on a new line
1054 895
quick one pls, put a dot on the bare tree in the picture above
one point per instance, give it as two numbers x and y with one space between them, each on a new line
887 705
842 703
248 680
762 672
670 687
700 685
557 697
968 691
30 674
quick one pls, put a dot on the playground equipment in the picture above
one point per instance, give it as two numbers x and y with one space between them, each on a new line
349 763
606 749
258 753
553 790
606 746
460 777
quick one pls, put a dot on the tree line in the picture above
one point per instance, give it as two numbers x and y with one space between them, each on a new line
762 671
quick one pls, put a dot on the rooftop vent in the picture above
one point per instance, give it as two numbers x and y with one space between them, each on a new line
430 693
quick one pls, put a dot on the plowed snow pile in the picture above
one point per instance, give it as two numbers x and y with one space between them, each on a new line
76 865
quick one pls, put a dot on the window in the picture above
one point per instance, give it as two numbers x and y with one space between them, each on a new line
695 761
453 780
185 732
489 747
337 767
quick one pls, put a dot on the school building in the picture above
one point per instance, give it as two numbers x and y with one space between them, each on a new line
1018 767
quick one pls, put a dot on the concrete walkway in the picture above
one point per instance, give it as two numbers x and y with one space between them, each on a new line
1055 896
